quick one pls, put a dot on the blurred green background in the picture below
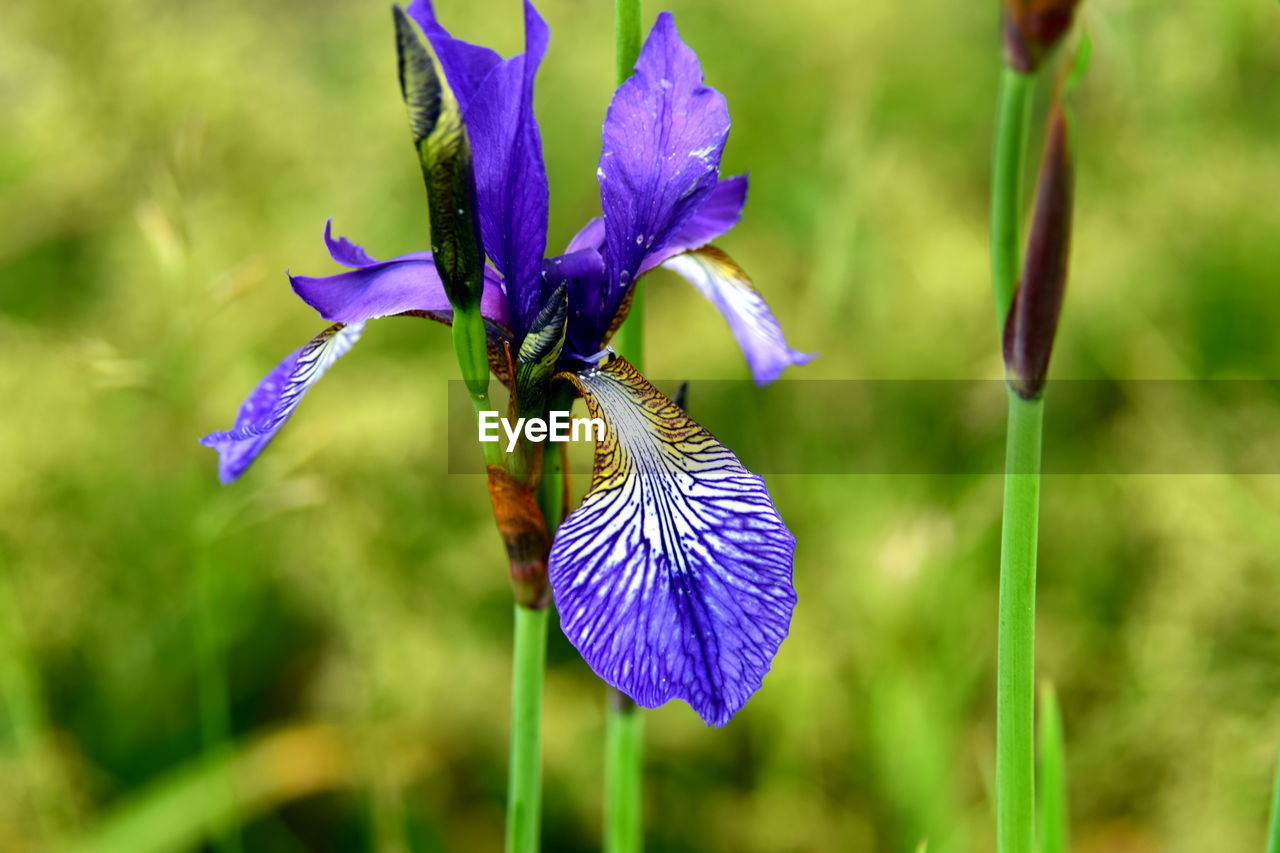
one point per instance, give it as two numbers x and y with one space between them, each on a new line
162 163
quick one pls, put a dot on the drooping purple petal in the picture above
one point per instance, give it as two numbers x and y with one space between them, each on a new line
465 64
663 136
723 282
720 212
511 180
673 579
386 288
275 398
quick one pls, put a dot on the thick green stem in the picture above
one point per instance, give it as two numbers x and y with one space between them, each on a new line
471 346
524 782
624 783
1012 115
1015 675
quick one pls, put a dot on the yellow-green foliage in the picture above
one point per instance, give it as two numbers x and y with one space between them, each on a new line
161 163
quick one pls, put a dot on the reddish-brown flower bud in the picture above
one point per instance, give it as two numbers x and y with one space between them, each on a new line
524 534
1033 319
1033 28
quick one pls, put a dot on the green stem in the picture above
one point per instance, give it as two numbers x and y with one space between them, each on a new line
1012 115
1053 775
524 784
624 724
1273 830
628 341
626 36
1015 667
471 346
623 760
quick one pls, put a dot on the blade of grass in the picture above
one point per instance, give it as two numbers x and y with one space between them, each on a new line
1273 829
1053 775
174 812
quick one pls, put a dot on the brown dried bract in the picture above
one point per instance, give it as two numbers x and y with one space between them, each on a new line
524 534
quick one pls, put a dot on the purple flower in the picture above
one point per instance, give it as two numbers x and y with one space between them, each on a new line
673 578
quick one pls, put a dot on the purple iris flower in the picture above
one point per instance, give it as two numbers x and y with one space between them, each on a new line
673 578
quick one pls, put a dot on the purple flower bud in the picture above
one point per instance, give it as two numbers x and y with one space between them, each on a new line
1032 29
1033 319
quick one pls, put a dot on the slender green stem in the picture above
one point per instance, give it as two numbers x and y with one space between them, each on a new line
1012 115
1015 667
524 784
626 36
1053 775
1273 830
624 723
624 782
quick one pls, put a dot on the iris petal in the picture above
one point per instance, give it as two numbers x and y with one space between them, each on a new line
344 251
663 136
511 179
398 286
720 212
465 64
673 579
723 282
496 100
275 398
409 283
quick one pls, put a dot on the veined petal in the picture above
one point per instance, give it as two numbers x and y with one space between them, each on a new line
673 579
511 180
663 136
723 282
274 400
720 212
409 283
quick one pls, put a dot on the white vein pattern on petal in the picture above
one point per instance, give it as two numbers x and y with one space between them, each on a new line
315 357
673 578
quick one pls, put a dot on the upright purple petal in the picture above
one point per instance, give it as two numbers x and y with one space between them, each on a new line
663 136
720 212
465 64
275 398
727 287
511 180
673 579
